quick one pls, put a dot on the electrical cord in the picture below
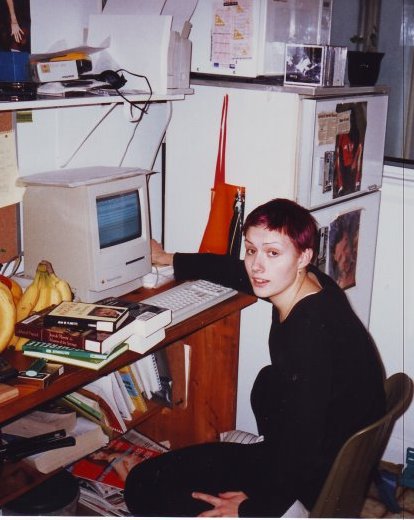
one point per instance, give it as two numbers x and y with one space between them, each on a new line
132 105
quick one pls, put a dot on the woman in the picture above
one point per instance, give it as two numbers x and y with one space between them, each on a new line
325 382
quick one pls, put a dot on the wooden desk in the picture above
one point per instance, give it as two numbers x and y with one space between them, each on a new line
213 336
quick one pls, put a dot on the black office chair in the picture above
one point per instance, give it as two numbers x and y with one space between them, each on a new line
345 489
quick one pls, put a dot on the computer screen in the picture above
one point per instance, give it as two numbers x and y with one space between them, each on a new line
119 218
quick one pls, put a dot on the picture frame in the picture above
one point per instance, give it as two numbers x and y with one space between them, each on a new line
304 64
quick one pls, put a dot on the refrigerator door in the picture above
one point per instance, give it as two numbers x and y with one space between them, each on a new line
341 148
348 236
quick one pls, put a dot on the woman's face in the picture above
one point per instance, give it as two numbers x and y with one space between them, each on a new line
272 261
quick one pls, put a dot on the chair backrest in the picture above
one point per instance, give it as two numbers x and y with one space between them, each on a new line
344 491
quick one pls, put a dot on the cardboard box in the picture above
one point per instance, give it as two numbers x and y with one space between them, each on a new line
55 71
60 70
43 379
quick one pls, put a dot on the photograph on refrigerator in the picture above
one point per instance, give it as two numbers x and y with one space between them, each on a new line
349 148
328 171
343 248
320 260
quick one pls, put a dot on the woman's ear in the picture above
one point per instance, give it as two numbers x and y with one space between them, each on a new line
305 258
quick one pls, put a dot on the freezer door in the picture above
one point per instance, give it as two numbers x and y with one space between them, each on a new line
348 236
341 148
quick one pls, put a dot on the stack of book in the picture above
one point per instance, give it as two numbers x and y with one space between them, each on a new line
115 399
92 335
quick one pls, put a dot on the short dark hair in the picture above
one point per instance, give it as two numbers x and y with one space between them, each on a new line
287 217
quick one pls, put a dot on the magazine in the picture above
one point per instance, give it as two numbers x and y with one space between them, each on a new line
112 463
102 499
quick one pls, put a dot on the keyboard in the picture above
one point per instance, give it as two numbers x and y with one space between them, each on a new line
190 298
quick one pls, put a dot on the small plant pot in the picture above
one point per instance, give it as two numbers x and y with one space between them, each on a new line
364 68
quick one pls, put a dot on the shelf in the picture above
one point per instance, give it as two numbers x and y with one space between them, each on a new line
75 377
302 90
59 102
213 384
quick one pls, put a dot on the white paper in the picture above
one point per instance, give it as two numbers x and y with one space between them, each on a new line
133 7
139 44
9 193
60 24
180 10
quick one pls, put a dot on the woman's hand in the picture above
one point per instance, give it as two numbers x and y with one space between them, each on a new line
17 32
224 505
159 256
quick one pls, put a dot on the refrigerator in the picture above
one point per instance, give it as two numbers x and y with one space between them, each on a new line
325 152
247 38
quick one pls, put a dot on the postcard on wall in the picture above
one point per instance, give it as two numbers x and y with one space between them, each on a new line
304 64
343 248
349 148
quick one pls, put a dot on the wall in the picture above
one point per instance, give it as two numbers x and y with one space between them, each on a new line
392 324
261 153
54 135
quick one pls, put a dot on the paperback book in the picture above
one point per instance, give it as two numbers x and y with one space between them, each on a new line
59 350
92 340
106 318
103 392
142 344
36 349
132 387
148 318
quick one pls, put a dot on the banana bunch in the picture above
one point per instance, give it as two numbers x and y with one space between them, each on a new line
7 315
46 289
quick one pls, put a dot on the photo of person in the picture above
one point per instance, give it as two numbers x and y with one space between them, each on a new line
343 248
15 25
349 148
105 312
112 463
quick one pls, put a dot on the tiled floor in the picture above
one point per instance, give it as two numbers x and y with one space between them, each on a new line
374 508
